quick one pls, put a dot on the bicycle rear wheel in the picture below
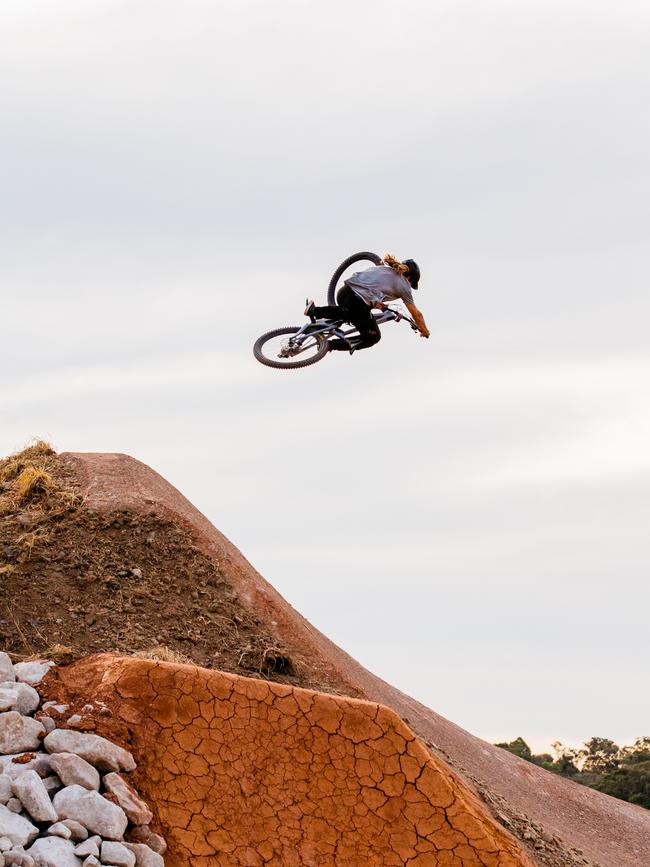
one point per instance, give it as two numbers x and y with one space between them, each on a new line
276 349
345 264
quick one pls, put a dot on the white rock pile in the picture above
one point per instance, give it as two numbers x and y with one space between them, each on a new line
63 799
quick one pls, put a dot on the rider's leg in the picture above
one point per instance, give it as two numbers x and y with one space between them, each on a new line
330 311
369 333
352 309
360 315
346 304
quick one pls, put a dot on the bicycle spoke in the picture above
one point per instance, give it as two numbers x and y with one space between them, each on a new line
305 347
282 349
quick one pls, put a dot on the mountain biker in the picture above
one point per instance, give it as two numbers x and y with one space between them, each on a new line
370 289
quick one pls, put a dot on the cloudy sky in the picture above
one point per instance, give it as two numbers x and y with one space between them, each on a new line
468 515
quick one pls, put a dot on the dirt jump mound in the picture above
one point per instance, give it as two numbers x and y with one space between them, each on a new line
280 748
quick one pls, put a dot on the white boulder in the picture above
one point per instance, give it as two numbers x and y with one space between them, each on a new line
89 847
58 829
145 855
117 854
16 765
77 830
6 789
128 799
94 812
47 722
31 792
18 696
18 829
57 708
7 672
74 771
94 749
18 858
32 672
52 784
54 852
19 733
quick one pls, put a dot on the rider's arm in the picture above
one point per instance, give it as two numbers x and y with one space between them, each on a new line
418 319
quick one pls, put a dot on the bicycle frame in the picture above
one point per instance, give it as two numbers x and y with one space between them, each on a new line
328 328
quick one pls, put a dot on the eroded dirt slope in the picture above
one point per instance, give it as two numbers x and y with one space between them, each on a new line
125 562
247 772
564 821
90 580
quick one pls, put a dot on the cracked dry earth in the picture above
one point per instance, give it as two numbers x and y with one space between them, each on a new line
245 772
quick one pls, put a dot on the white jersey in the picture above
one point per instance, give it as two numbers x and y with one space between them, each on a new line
379 284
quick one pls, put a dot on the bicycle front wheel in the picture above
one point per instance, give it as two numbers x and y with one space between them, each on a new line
279 349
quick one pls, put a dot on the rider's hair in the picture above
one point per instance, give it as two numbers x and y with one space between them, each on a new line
395 264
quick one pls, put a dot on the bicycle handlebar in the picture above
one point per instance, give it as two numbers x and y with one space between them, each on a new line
397 315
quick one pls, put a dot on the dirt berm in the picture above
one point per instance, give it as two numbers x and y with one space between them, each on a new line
124 562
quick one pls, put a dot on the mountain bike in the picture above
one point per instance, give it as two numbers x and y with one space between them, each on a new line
292 347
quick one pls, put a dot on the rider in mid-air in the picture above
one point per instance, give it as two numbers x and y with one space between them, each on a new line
370 289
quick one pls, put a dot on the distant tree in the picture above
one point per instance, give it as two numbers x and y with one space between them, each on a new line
623 772
600 755
563 764
638 752
630 778
518 747
566 758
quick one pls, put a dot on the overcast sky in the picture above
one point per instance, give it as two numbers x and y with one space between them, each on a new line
467 516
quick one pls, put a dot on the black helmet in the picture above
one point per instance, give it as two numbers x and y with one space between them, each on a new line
413 275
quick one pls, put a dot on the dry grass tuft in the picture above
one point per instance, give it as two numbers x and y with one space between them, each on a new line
59 653
31 482
37 455
32 485
164 654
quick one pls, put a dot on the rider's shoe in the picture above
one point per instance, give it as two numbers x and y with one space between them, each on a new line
308 309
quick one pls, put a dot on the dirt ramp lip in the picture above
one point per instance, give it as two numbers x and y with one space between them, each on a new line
243 771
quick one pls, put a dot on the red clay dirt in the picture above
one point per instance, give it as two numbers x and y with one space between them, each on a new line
246 772
104 555
569 817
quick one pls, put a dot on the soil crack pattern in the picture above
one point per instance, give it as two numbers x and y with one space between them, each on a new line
249 772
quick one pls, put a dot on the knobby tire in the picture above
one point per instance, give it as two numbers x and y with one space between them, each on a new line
287 364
